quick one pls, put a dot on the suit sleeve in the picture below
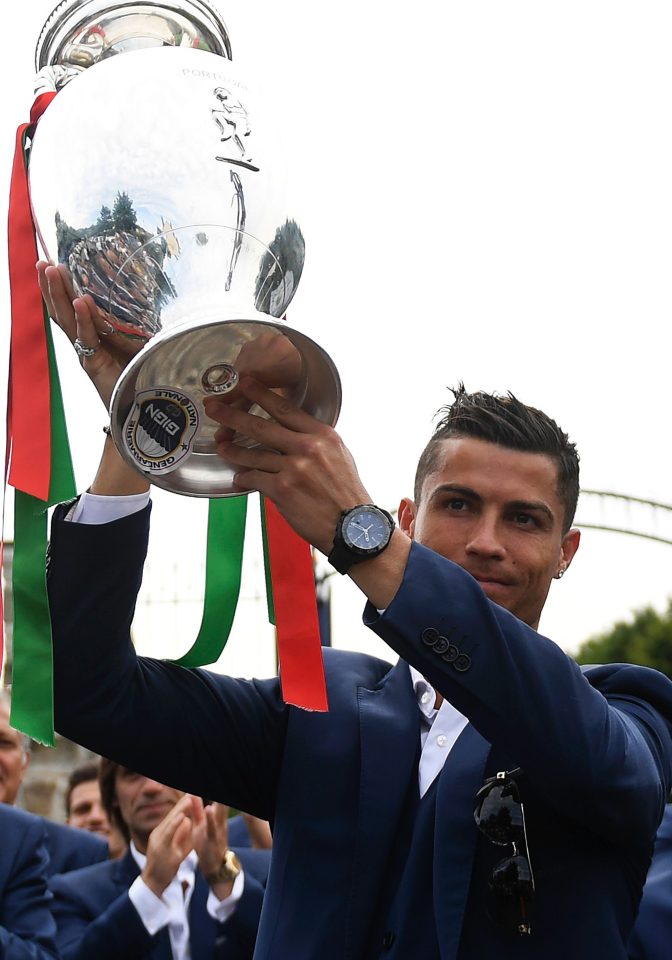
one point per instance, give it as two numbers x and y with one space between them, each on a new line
27 929
237 936
116 932
212 735
601 756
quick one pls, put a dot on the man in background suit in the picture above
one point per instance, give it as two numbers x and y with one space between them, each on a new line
84 808
169 895
68 849
27 929
376 849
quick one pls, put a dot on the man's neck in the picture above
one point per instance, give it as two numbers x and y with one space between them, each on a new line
140 840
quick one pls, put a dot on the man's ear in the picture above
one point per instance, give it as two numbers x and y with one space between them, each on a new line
406 516
569 546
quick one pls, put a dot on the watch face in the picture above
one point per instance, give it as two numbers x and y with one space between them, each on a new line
366 529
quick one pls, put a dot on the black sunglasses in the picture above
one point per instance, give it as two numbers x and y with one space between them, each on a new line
499 815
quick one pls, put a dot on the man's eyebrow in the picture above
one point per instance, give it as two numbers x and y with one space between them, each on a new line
458 488
528 506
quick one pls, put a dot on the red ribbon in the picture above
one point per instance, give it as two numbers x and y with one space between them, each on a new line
28 440
29 416
296 620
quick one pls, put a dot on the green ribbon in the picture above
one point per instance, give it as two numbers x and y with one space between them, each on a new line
267 563
223 568
32 663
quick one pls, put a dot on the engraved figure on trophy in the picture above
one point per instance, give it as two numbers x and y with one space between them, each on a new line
241 217
233 122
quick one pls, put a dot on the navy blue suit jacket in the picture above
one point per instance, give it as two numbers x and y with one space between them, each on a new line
27 929
97 921
69 848
652 937
595 748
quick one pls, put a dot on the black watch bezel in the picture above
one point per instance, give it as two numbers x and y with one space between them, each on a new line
343 554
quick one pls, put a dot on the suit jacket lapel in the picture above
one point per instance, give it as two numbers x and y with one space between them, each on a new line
389 726
125 871
455 835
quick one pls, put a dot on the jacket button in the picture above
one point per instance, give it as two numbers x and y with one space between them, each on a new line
430 636
441 645
451 654
462 663
388 940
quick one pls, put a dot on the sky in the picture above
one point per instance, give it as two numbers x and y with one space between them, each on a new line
486 195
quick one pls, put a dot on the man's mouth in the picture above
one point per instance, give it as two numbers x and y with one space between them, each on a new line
155 806
487 580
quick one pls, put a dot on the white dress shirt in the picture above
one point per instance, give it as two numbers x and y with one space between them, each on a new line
439 730
171 909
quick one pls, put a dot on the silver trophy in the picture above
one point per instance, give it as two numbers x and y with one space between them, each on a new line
158 178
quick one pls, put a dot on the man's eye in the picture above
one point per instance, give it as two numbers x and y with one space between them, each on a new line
456 504
525 520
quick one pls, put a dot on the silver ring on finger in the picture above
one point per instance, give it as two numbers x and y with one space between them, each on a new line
82 350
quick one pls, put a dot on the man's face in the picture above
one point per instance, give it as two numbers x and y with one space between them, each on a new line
497 513
13 759
143 803
86 809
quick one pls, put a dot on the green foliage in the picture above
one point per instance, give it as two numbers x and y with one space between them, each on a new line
646 640
121 219
123 214
105 221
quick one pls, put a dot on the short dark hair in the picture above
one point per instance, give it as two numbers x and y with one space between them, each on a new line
107 778
84 773
507 422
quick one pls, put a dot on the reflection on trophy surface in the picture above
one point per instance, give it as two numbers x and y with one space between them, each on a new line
157 178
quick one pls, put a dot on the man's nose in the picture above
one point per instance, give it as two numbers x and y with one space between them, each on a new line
97 814
486 538
152 786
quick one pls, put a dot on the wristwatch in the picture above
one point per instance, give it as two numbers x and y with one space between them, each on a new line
361 533
228 870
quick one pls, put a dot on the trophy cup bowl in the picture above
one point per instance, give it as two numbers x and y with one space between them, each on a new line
156 175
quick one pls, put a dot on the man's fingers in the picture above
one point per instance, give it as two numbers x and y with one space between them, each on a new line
66 278
167 827
218 816
44 285
87 333
258 458
279 433
59 302
182 840
197 812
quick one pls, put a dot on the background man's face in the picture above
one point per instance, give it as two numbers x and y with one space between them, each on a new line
497 513
86 809
13 759
143 803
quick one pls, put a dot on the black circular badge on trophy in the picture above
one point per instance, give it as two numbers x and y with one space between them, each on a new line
159 429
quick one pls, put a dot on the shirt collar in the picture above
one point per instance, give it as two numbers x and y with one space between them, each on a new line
425 693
